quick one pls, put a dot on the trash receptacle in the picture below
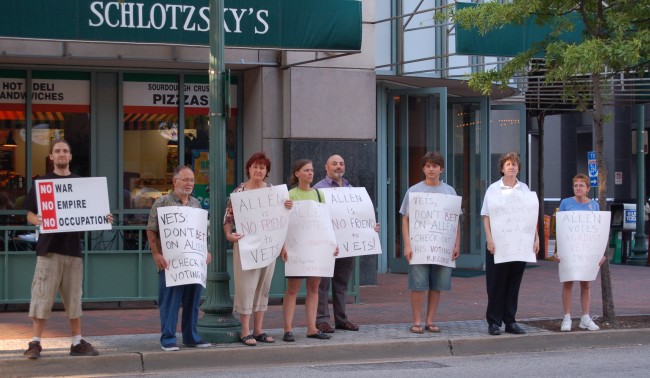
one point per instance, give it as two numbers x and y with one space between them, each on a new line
623 221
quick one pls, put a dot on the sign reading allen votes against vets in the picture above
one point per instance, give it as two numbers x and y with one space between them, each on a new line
433 226
184 242
353 219
74 204
582 238
261 217
513 222
311 242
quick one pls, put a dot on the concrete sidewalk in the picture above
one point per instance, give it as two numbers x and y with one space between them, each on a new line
128 340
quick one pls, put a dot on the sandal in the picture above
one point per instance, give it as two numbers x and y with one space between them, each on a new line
415 328
432 328
264 338
288 337
246 340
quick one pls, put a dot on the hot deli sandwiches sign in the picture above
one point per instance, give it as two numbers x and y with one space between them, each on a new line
280 24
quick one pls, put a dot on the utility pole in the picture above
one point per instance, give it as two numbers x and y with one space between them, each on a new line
639 254
218 325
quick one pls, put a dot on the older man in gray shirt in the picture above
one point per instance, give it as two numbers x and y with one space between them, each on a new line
335 168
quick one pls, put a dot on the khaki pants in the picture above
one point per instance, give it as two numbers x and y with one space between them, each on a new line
56 273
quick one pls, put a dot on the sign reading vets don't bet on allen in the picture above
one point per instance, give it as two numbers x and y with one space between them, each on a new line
74 204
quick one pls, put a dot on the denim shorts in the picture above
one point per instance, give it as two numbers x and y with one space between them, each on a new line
424 277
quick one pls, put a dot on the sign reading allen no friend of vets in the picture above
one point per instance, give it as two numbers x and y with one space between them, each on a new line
261 217
74 204
184 240
353 219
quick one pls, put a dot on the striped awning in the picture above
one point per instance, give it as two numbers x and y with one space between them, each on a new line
141 121
12 115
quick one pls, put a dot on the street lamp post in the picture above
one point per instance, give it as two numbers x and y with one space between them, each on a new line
640 250
218 325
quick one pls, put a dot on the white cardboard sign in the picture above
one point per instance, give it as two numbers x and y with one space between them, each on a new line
513 222
433 226
74 204
310 242
582 238
184 241
261 217
353 219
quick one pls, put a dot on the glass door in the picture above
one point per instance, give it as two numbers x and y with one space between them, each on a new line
416 120
468 167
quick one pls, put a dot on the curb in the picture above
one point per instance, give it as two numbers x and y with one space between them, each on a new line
326 353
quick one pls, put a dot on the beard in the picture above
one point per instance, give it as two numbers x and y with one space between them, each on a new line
61 165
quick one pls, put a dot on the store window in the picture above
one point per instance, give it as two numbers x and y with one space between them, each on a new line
150 138
60 109
156 139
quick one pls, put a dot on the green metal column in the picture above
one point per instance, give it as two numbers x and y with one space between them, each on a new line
640 251
218 325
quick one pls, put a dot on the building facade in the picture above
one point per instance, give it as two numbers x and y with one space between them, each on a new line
133 111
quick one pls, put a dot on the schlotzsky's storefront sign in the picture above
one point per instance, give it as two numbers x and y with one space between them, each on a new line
280 24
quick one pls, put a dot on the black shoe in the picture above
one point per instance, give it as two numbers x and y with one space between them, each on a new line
288 337
494 329
514 328
325 327
83 349
319 335
347 326
33 350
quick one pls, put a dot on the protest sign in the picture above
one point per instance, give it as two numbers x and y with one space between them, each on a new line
261 217
513 222
74 204
184 241
353 219
433 226
310 242
581 238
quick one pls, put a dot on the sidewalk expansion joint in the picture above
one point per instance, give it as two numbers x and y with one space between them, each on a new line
142 369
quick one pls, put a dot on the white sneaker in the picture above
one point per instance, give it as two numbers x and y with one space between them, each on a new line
587 322
566 323
169 347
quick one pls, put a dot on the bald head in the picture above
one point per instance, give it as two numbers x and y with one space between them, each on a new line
335 168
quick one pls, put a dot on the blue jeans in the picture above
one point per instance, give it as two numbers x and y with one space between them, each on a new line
425 277
170 300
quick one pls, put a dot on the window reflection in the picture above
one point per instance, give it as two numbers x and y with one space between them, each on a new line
60 109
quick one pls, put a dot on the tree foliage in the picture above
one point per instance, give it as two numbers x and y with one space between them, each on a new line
616 40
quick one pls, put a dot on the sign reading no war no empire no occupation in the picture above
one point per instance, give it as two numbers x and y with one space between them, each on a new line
74 204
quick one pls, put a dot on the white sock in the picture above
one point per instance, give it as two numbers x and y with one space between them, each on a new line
35 338
567 315
76 340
